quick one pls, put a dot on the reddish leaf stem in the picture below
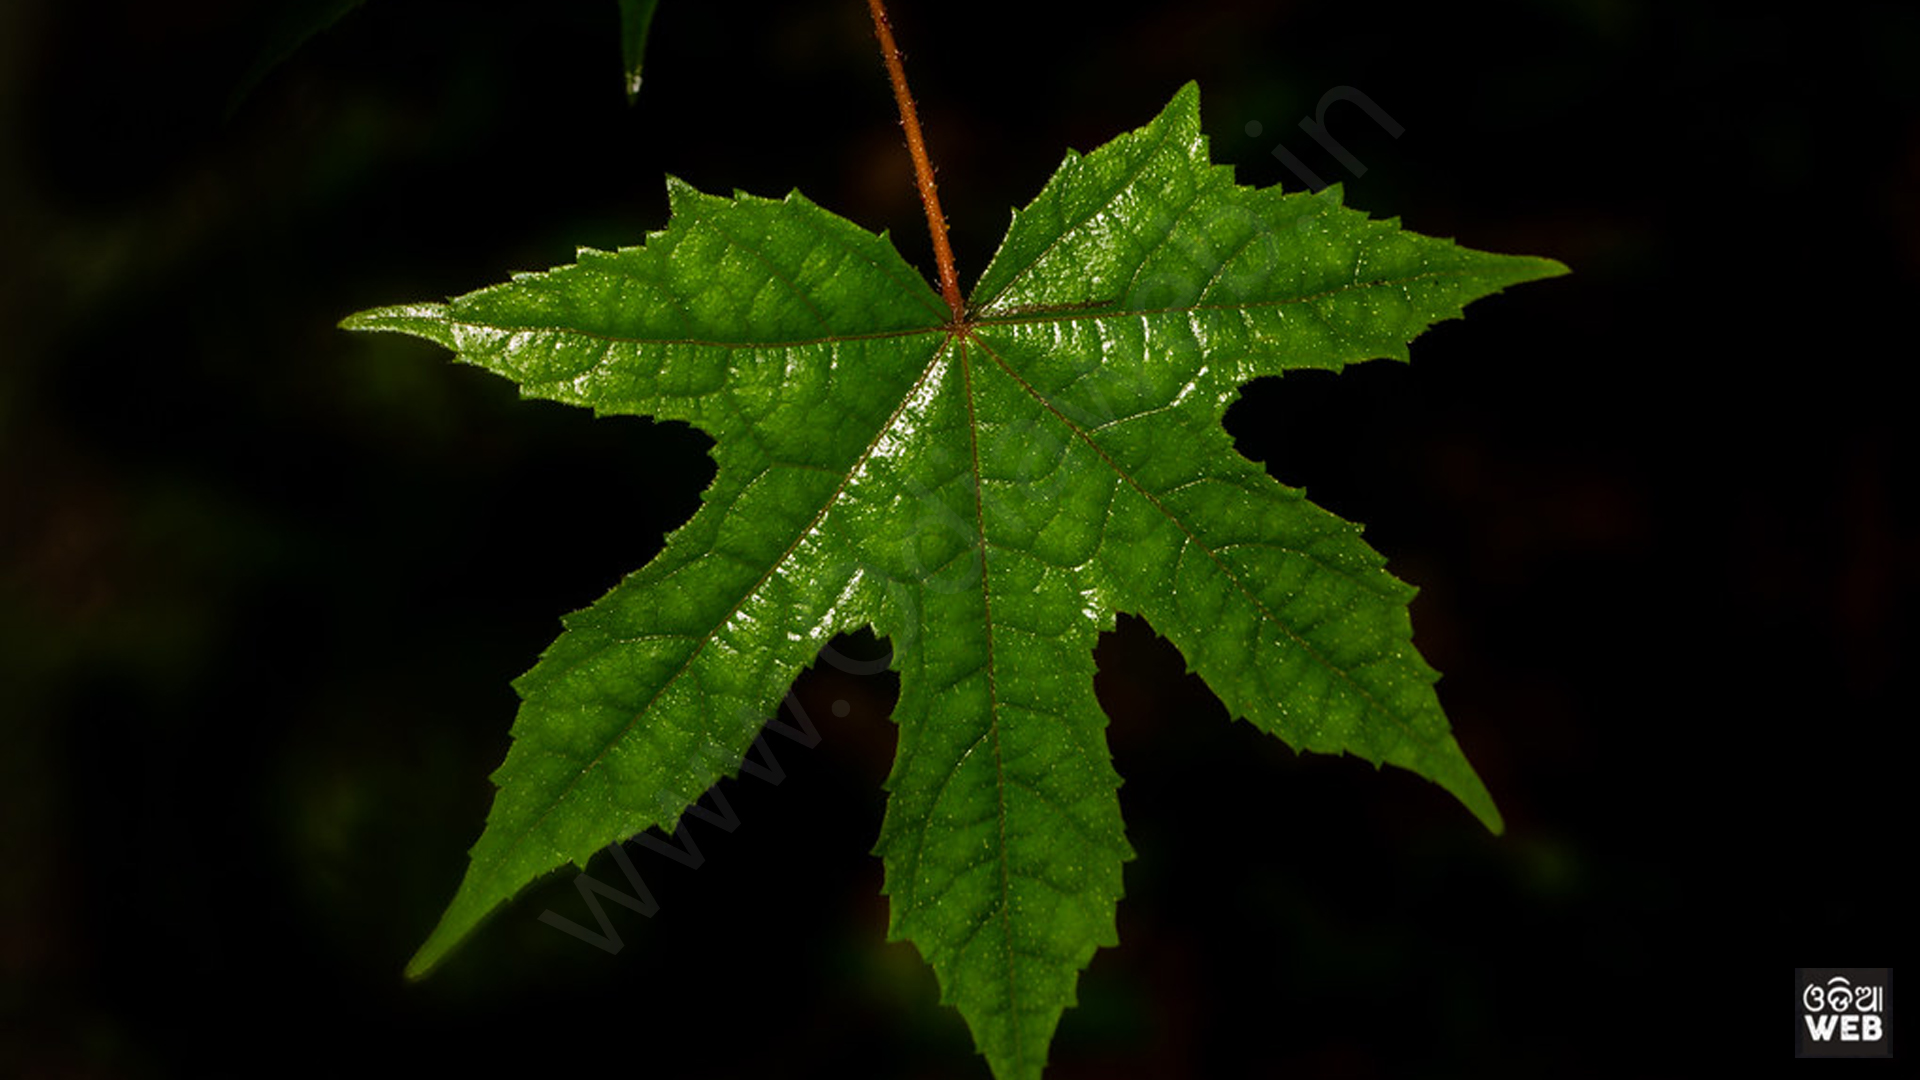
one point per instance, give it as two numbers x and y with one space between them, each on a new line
922 166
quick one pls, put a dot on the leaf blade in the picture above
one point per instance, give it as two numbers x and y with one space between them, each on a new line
988 493
1199 287
645 331
1002 842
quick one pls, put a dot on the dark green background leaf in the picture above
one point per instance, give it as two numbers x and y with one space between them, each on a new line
288 25
636 20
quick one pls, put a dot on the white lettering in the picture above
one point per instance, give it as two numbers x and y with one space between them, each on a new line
1870 1028
1820 1027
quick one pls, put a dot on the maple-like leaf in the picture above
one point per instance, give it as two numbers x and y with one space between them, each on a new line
987 492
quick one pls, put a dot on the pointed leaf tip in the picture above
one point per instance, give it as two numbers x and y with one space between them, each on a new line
426 320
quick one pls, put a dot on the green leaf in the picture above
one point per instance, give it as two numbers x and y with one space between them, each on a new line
985 492
636 18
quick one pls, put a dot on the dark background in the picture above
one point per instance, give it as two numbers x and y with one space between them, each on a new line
263 583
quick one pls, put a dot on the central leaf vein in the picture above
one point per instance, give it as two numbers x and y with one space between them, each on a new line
993 694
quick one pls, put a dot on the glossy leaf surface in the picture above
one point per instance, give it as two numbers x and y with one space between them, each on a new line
987 493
